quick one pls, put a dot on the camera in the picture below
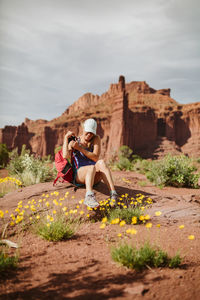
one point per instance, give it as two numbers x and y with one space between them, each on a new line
72 138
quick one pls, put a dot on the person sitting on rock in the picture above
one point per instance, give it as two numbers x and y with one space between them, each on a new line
88 169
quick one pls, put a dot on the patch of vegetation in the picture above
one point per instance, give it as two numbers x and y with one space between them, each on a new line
177 171
4 155
7 262
29 169
127 209
9 184
126 214
57 229
143 257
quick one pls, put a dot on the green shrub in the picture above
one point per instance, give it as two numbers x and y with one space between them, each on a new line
4 155
144 257
7 262
28 169
125 152
175 171
57 230
142 166
175 261
124 164
125 214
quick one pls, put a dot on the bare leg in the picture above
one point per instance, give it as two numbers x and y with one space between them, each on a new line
105 174
86 175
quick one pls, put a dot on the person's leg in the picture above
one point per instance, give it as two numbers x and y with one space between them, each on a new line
102 167
86 175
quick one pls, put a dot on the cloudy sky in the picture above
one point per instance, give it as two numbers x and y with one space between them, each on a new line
54 51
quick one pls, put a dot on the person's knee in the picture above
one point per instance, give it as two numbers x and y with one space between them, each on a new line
101 164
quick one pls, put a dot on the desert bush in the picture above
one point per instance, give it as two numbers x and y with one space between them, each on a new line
125 152
125 214
4 155
7 262
124 161
142 166
175 171
55 230
123 164
143 257
9 184
29 169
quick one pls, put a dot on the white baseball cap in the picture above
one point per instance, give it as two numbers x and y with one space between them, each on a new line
90 125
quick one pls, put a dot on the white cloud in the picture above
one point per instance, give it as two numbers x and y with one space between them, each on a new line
52 52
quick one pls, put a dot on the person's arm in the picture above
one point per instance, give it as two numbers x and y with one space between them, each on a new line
96 149
67 149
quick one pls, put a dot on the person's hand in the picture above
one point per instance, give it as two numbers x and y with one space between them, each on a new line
69 134
75 145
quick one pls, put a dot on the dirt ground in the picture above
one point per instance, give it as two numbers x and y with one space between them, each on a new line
82 268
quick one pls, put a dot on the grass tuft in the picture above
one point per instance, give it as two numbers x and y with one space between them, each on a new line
7 262
144 257
57 230
125 214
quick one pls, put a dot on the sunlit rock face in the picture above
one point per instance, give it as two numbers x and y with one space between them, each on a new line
149 121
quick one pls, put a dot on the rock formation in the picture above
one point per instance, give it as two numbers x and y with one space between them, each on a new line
149 121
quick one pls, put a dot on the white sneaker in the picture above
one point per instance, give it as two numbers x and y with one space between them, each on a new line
90 201
113 199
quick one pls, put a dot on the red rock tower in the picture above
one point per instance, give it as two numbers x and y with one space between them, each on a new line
119 116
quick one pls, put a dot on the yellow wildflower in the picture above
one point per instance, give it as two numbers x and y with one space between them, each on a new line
119 234
158 213
134 220
181 226
191 237
141 218
104 220
102 226
122 223
148 225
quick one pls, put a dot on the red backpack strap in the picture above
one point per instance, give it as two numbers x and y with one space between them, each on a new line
56 180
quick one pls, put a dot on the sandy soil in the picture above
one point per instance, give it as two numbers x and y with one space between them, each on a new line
82 268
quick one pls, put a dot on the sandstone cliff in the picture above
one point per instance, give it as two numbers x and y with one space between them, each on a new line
149 121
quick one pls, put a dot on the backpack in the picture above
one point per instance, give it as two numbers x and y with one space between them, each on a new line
64 168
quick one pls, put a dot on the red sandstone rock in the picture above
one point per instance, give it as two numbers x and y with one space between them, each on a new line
149 121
